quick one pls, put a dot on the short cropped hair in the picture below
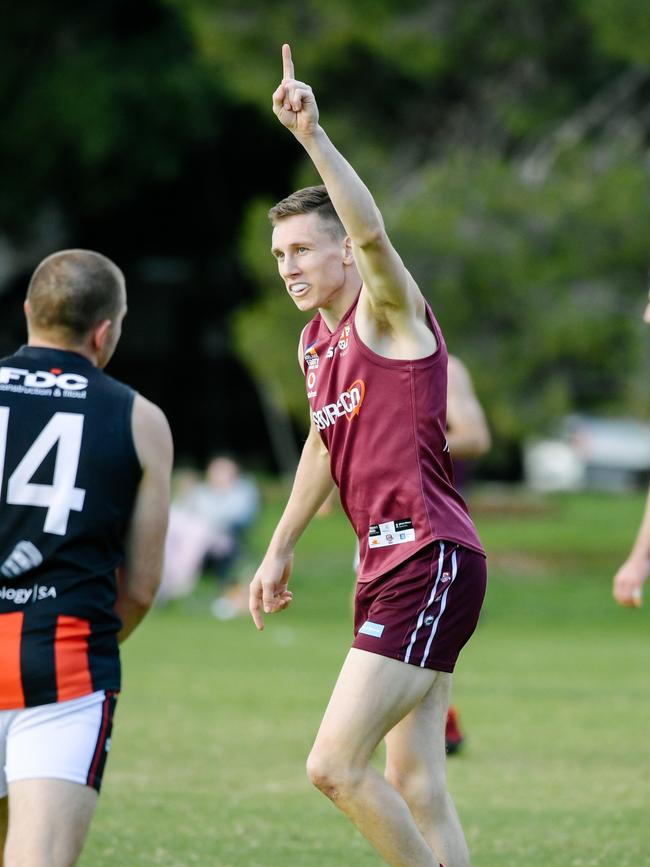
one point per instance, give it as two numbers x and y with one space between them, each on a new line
308 201
73 291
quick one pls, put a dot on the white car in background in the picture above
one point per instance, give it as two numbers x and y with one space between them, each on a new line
589 452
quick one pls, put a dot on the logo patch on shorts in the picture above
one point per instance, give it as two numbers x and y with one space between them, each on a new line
374 629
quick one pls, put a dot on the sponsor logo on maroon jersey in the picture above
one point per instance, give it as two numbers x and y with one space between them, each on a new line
344 338
311 357
348 405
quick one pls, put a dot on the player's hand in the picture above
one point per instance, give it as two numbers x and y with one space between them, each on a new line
268 589
628 583
294 103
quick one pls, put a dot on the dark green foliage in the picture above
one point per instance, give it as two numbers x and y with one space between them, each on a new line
98 98
506 143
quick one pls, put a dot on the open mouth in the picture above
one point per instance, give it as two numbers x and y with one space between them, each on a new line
297 289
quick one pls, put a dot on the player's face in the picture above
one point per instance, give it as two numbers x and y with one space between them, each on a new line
646 315
310 261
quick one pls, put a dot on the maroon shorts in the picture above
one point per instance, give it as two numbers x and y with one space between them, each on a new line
424 610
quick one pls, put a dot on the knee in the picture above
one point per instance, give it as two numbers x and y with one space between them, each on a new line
419 786
331 773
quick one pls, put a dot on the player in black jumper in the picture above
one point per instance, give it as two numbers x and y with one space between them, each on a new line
84 497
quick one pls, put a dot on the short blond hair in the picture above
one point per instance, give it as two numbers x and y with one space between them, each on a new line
309 200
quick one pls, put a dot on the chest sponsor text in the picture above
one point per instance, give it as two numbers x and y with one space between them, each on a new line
347 405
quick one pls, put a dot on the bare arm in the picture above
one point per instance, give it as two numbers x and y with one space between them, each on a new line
312 484
139 579
630 578
468 434
389 289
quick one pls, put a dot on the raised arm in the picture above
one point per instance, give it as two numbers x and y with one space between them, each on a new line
388 286
139 579
630 578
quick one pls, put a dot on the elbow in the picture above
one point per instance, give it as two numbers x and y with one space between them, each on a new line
483 443
372 237
143 598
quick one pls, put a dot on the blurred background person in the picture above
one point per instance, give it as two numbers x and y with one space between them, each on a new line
631 577
229 501
188 538
208 522
468 437
468 434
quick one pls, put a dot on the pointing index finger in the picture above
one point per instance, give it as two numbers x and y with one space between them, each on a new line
287 63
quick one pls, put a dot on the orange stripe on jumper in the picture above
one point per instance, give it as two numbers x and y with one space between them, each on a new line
11 686
71 658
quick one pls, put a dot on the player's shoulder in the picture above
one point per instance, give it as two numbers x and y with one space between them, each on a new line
151 431
110 383
6 360
148 414
301 342
308 336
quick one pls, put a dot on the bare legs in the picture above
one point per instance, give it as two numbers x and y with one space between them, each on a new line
407 816
415 766
48 822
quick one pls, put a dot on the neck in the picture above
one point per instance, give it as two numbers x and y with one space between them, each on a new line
334 312
47 342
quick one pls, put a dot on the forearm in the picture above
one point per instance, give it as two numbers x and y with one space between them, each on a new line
138 581
351 198
131 612
311 486
641 548
470 443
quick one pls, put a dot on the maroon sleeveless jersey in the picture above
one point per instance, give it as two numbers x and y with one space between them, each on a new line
383 422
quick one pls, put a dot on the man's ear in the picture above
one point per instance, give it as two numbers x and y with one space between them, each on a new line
100 333
348 258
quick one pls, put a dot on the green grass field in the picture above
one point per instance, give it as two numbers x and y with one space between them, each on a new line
216 720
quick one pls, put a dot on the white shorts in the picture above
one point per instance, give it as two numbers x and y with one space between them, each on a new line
68 740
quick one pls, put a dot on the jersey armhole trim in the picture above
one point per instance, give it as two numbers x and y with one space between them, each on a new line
129 408
403 363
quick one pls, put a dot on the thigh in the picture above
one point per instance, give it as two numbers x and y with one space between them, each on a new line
48 822
418 740
372 694
64 741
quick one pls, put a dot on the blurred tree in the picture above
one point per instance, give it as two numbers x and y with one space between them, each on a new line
119 137
621 27
79 84
506 143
